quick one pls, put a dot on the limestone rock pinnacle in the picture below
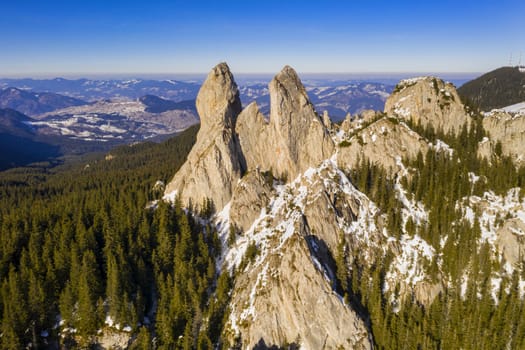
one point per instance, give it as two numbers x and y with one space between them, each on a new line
295 137
218 101
213 165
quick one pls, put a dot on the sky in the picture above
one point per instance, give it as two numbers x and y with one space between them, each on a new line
75 38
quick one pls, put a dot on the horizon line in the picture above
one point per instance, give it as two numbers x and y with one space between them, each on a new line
80 75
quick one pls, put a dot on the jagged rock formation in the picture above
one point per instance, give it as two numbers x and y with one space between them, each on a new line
502 221
428 101
507 129
295 136
213 166
242 162
287 294
281 185
375 143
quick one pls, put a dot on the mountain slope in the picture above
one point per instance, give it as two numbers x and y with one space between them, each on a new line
18 144
32 103
388 251
502 87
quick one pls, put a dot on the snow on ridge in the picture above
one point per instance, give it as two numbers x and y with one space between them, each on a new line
407 265
491 207
259 283
287 207
411 81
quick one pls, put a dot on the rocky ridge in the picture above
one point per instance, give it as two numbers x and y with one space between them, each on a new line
428 101
282 192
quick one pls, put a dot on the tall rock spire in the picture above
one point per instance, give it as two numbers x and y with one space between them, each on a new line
214 164
295 137
218 102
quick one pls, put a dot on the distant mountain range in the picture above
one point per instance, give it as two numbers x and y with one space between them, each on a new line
499 88
338 97
84 115
93 90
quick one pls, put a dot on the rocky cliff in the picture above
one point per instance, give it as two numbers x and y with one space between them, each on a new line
288 292
245 164
295 136
286 206
428 101
507 130
214 165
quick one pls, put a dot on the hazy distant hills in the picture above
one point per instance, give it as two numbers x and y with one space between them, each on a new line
93 90
32 103
500 88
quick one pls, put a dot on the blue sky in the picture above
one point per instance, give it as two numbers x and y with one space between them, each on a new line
96 37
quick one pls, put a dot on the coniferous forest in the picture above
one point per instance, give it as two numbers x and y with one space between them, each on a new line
87 247
81 250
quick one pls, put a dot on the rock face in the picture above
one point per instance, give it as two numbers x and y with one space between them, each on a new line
507 129
295 136
230 142
375 143
214 164
250 196
428 101
282 188
287 294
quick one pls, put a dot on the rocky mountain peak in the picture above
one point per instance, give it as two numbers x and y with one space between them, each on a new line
215 163
428 101
287 95
218 101
295 137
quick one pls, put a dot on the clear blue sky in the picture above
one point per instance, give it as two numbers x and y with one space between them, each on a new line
92 37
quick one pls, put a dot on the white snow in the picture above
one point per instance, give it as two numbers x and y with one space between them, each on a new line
260 283
441 146
407 265
109 321
495 283
170 197
518 108
411 209
410 81
473 178
492 207
404 112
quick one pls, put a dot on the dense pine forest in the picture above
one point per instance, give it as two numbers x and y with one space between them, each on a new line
80 250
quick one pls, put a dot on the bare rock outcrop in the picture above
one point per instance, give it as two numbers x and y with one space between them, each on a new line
428 101
505 128
382 143
287 294
250 196
214 165
295 137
